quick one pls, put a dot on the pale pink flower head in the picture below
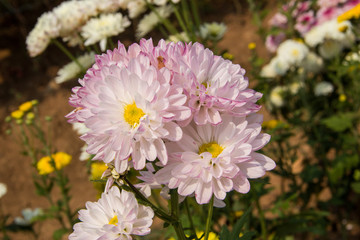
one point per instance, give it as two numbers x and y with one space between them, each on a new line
213 160
305 22
279 20
130 106
329 3
116 215
214 85
326 14
272 42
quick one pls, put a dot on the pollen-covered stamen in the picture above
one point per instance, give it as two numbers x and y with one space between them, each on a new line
211 147
132 114
161 63
114 220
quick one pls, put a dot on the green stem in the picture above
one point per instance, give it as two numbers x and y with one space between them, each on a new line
158 211
170 27
188 19
190 218
67 53
195 12
180 20
262 219
209 217
175 214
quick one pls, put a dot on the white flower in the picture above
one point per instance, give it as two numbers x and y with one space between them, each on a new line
179 37
323 89
330 48
73 14
99 29
213 31
46 28
276 67
136 7
332 36
276 96
80 128
72 69
115 216
292 52
312 63
29 216
3 189
149 21
107 6
295 87
84 156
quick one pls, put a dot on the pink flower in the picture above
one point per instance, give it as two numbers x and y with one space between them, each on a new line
279 20
116 215
305 22
326 14
214 85
130 106
273 41
213 160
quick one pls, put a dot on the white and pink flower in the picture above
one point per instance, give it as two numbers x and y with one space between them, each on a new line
116 215
213 160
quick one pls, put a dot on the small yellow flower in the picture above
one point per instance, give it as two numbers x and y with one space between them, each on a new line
228 56
97 169
26 106
252 46
61 160
30 116
239 213
342 98
271 124
17 114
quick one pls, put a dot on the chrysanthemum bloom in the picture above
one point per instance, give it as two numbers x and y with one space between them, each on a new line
213 160
213 31
117 215
99 29
47 27
72 69
130 107
213 86
61 160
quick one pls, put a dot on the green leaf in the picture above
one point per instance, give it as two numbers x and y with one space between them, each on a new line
248 236
59 233
224 233
339 122
356 187
239 224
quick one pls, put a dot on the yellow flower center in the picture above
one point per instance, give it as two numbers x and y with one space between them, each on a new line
295 52
114 220
211 147
343 28
132 114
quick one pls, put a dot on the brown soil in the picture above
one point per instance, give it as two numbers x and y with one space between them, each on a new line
22 79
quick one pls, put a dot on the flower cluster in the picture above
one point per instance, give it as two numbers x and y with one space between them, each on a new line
306 16
86 22
327 35
177 103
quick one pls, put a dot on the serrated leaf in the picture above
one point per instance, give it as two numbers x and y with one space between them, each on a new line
339 122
